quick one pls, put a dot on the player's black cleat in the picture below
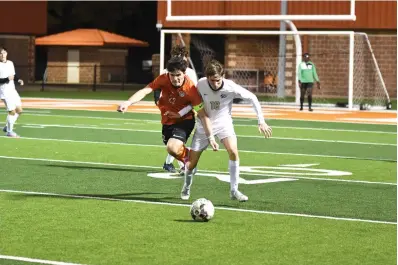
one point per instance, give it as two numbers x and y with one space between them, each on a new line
169 167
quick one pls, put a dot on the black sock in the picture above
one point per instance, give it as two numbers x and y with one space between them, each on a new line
301 102
309 101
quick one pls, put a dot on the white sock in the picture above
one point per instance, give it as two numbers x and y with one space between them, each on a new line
188 178
169 159
10 122
234 174
181 164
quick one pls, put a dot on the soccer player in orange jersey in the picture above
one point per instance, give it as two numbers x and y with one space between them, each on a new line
177 92
176 51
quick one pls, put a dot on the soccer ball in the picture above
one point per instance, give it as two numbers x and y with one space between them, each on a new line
202 210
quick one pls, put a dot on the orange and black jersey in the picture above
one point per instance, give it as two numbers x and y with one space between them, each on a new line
175 99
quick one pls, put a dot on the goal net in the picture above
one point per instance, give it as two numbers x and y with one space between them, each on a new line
349 77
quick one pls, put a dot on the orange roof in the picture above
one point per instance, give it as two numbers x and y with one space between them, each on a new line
89 37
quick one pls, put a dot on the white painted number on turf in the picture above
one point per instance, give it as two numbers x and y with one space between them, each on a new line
279 174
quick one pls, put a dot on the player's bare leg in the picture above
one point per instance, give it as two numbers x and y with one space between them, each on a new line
11 119
177 149
231 145
189 172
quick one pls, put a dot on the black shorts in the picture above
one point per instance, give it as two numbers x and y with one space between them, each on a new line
306 87
180 131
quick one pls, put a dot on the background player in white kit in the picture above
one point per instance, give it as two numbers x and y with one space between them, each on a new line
176 51
8 93
218 94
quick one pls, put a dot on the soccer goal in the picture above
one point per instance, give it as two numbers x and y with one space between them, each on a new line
348 69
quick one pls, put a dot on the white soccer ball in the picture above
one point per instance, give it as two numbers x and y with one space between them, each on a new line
202 210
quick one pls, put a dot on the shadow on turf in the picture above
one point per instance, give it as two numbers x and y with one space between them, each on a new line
101 168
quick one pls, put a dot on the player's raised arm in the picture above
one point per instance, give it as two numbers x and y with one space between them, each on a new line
246 94
136 97
140 94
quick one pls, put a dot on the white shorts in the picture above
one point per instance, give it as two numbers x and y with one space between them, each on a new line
12 100
200 141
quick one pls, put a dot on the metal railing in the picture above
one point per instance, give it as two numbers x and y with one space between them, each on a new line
94 76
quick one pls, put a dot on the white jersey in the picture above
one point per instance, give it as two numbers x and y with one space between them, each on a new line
218 104
189 72
6 69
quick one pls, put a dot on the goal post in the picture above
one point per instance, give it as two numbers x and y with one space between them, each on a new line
345 63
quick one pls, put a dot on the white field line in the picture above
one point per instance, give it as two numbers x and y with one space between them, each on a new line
162 146
241 125
209 171
41 261
323 129
35 125
188 205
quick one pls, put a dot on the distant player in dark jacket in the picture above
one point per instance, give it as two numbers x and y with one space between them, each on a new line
306 77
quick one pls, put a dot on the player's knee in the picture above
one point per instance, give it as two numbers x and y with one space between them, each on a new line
18 110
11 112
170 150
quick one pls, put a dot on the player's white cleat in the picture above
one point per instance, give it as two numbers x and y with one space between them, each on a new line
237 195
185 193
12 134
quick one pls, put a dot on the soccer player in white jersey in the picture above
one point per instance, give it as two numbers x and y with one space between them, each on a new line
218 94
176 51
8 93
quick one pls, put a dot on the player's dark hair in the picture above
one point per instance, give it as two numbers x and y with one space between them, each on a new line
177 63
179 50
3 48
214 67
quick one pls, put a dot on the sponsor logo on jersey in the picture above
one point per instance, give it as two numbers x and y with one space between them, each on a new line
182 94
223 95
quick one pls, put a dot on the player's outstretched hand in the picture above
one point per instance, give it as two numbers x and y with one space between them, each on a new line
20 81
213 143
265 129
124 106
172 115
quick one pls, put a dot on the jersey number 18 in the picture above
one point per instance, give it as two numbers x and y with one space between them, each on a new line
215 105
